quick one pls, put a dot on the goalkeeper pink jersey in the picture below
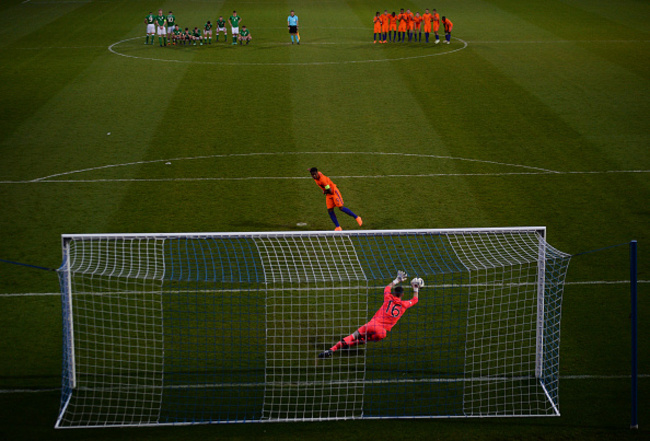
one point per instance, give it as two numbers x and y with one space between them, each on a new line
392 310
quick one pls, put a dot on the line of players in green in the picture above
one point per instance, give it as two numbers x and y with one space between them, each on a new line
168 31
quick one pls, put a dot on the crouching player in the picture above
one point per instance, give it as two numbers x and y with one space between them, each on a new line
196 36
221 27
186 37
384 319
208 32
448 27
177 35
244 35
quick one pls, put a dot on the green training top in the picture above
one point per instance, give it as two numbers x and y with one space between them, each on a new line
234 20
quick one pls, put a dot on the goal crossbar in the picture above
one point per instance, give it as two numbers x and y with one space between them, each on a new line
436 231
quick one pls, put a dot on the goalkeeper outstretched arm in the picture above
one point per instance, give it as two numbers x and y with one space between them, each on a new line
401 276
416 284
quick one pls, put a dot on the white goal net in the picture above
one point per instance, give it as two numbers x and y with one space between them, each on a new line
226 327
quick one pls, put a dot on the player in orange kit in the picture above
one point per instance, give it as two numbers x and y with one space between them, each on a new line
417 19
392 27
426 19
448 27
436 25
410 23
384 319
385 24
402 18
377 28
333 197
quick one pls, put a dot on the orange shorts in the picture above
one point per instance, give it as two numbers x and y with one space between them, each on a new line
377 28
334 200
427 28
372 332
402 27
436 26
393 27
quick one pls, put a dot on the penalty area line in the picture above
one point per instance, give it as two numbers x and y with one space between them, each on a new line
530 170
266 154
49 180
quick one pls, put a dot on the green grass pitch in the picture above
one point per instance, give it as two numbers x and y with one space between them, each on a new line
535 114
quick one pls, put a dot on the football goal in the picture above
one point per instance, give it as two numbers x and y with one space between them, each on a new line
189 328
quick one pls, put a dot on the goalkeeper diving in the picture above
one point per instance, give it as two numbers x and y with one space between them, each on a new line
384 319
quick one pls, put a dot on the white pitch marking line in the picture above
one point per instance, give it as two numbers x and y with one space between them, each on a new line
554 41
315 63
234 155
272 178
263 178
424 380
535 170
592 282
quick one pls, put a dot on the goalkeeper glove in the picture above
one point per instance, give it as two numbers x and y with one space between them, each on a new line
417 283
401 276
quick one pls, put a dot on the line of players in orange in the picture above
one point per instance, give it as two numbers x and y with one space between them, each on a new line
398 27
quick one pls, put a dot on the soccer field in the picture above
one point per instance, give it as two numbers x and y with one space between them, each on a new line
535 114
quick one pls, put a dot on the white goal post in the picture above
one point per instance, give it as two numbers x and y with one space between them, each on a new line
190 328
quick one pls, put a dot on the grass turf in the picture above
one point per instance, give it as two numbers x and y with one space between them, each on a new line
539 120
